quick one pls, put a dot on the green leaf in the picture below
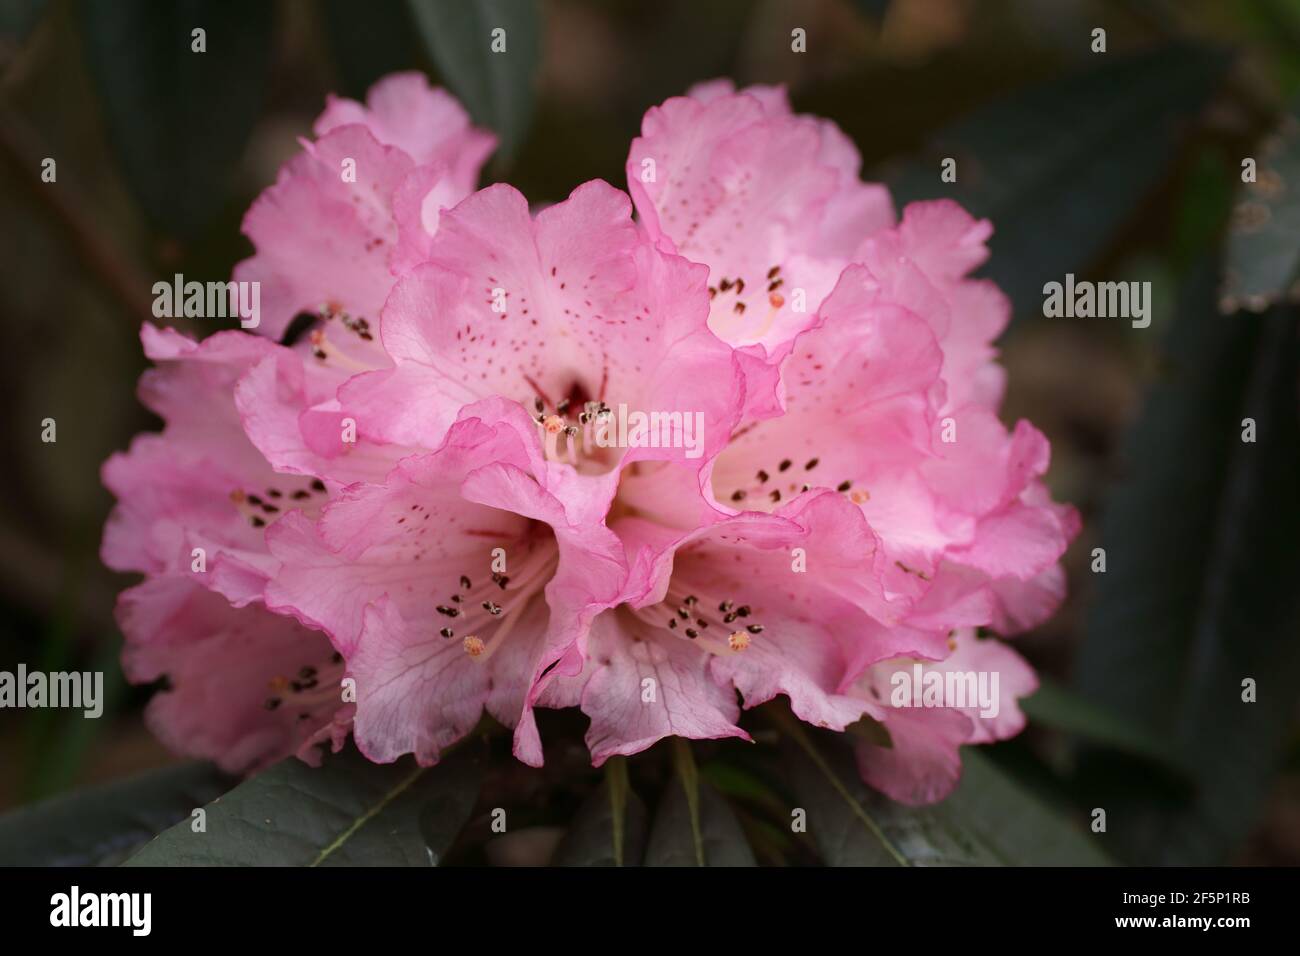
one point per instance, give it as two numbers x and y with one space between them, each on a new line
1013 823
1202 543
98 825
178 119
496 87
988 820
59 742
1263 256
347 812
694 824
609 828
1060 167
1061 709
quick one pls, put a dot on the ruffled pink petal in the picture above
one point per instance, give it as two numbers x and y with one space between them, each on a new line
569 308
412 538
425 122
322 239
638 688
921 764
230 675
923 261
418 693
769 201
195 499
404 577
289 412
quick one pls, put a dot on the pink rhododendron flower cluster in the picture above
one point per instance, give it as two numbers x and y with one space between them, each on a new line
406 493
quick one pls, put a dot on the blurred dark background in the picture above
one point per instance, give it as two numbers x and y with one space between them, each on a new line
1128 173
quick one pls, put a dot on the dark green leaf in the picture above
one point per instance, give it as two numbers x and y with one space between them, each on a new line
98 825
609 828
348 812
1061 709
988 821
496 87
1060 167
1202 544
178 119
694 825
1263 257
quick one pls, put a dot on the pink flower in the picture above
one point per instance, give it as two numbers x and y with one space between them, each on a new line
499 341
242 686
360 203
875 512
837 505
770 201
255 431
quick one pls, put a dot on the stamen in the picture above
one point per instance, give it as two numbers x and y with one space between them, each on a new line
696 627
